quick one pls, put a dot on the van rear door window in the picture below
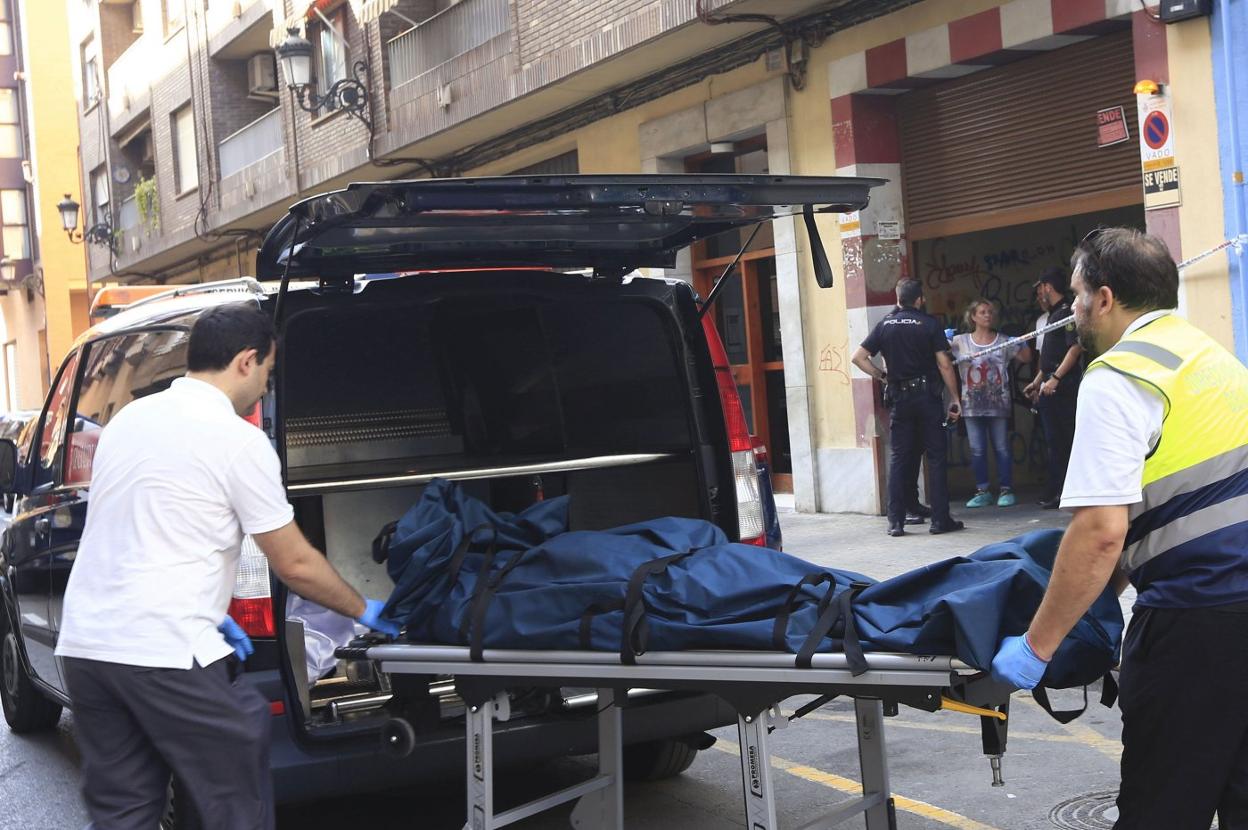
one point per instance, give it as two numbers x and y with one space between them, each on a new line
51 439
119 370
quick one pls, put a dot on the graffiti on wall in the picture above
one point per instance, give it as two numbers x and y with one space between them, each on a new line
832 359
1002 264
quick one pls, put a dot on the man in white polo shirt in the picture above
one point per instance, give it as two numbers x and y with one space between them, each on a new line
178 479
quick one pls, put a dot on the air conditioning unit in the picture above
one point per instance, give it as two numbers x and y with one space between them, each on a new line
261 77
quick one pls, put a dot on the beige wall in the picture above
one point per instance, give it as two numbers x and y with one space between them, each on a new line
1206 295
54 130
23 322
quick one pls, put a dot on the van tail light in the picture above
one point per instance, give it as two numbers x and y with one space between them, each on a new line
252 605
750 525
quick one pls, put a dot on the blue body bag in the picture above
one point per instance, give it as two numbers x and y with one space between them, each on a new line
467 575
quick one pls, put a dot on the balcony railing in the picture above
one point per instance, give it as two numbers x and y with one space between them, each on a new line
258 140
464 26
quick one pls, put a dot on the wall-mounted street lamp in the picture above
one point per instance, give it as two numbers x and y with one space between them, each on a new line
8 279
350 94
101 233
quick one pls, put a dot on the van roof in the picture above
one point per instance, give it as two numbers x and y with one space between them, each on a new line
177 300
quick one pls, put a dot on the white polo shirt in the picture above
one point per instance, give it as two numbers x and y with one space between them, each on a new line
178 479
1117 424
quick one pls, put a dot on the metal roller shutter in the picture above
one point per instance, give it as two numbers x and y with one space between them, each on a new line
1018 144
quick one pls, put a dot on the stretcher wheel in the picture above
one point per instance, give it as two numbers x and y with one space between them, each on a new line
398 738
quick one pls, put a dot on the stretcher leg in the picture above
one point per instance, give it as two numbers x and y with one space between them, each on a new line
760 800
604 808
872 760
480 728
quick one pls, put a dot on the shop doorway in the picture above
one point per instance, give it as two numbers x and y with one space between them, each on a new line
1001 264
747 312
1003 173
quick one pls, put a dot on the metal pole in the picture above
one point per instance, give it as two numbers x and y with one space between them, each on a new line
1239 316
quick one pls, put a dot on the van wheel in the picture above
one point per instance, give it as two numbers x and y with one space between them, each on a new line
656 760
179 811
25 708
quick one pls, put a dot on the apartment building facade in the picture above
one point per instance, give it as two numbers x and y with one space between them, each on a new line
986 117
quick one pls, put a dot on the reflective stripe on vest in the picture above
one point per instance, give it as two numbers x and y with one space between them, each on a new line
1195 481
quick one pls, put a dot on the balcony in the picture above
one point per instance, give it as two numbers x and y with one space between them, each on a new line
238 29
129 86
252 144
446 35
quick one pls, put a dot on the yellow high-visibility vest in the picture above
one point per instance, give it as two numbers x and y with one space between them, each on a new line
1195 482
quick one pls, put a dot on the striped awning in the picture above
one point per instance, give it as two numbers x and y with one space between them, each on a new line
305 11
373 9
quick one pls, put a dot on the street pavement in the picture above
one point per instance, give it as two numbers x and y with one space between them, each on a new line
1056 776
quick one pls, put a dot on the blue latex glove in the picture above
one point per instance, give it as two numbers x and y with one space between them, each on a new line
236 637
949 333
372 618
1016 664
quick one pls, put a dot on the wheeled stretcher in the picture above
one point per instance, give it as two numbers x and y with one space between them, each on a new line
753 683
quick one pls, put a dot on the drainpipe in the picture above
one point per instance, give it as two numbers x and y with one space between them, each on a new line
1239 310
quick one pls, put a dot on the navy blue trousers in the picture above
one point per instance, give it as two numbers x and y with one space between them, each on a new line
915 430
1057 419
1184 701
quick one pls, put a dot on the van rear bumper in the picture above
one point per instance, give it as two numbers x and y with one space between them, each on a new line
305 770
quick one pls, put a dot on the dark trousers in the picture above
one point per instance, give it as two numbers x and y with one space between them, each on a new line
1057 419
916 428
135 726
1184 700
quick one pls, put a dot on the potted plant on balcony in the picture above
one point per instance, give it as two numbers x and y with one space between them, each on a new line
147 200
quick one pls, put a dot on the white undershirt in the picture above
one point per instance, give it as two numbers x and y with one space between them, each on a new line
1117 424
177 479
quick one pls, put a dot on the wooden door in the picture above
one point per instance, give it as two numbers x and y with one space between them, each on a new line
747 315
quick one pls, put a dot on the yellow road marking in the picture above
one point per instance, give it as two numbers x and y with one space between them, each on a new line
1085 735
957 729
852 787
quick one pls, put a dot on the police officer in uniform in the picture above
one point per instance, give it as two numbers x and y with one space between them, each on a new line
1055 388
1157 484
920 370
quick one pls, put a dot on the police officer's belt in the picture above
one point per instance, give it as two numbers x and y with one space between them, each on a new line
910 385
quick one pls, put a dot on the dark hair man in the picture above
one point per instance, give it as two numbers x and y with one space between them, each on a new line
1157 484
1055 388
916 353
178 479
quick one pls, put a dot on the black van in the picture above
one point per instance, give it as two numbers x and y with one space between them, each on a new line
491 331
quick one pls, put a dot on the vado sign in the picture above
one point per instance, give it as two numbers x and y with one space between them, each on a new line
1160 175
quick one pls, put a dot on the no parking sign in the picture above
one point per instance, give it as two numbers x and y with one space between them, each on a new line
1160 175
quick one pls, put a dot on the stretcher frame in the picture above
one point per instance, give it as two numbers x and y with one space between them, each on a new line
752 682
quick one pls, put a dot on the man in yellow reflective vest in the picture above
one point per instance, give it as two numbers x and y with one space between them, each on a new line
1158 484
